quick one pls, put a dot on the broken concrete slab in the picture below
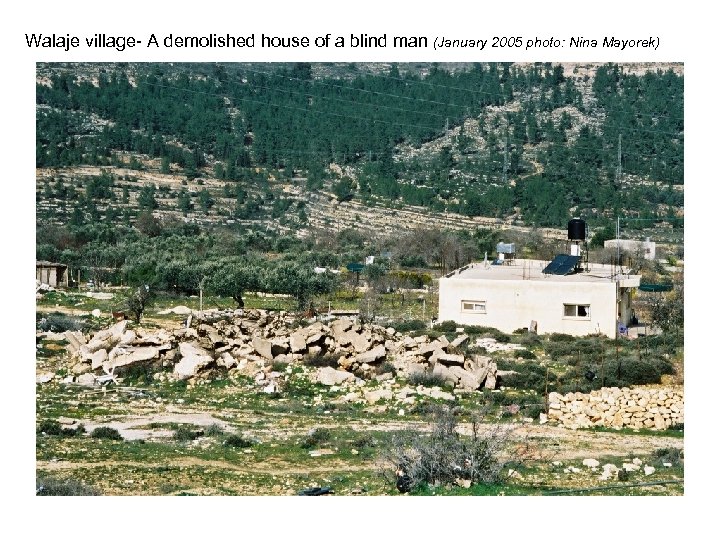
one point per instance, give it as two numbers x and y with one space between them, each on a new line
466 380
193 359
373 355
332 377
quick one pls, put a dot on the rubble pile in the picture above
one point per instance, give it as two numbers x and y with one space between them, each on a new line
256 343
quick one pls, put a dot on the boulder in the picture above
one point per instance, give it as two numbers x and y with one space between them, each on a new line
466 379
373 355
280 345
450 359
298 341
445 373
332 377
98 358
340 325
373 396
491 379
120 357
428 349
226 360
591 463
263 347
460 340
193 359
86 379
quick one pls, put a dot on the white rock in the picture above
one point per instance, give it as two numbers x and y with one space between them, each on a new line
330 377
592 463
649 470
193 359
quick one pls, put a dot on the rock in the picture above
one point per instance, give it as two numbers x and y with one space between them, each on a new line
96 313
193 359
428 349
413 367
86 379
331 377
466 379
42 378
177 310
263 347
630 467
98 358
120 357
280 345
340 325
649 470
592 463
298 341
491 379
107 339
543 418
226 360
75 340
81 368
373 355
374 396
445 373
383 377
127 337
454 359
460 340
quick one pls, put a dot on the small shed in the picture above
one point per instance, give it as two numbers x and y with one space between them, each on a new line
53 274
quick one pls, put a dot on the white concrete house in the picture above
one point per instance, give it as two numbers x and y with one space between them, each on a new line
520 295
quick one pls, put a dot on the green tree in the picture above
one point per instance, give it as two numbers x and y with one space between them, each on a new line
146 199
235 280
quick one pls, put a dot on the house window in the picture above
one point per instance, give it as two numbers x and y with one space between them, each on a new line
474 306
576 311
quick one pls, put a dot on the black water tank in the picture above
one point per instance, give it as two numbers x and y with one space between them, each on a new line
576 229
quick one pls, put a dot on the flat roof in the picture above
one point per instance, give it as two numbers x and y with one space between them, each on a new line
530 269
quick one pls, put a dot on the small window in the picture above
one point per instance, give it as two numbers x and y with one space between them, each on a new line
576 311
474 306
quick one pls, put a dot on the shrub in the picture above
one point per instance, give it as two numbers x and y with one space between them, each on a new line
321 360
385 367
446 326
50 427
557 338
444 456
530 376
214 430
53 427
237 441
315 437
185 433
426 378
60 322
667 455
49 486
408 326
525 353
106 433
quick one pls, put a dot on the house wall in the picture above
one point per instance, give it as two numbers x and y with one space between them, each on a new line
513 304
54 276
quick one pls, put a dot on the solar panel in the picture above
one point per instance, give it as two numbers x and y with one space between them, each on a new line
561 265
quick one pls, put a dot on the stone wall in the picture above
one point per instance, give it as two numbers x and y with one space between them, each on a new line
643 407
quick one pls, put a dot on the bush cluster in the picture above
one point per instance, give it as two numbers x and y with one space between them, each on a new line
444 456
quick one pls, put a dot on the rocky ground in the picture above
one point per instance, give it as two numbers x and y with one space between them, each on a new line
256 402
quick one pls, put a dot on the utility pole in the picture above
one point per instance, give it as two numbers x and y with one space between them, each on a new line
505 162
618 170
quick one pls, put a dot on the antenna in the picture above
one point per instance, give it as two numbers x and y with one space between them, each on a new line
505 163
618 170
